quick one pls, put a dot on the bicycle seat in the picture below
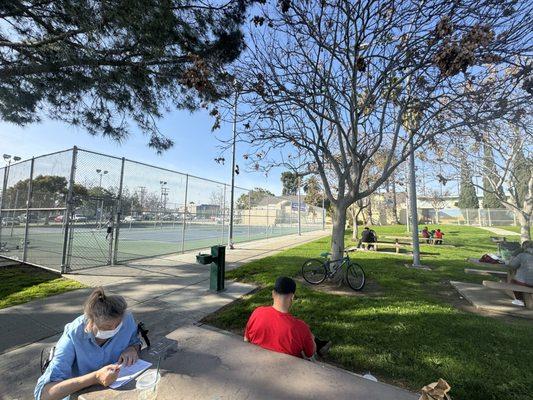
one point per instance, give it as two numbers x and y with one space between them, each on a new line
325 254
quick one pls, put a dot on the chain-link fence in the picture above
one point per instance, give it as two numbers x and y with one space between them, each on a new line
471 216
77 209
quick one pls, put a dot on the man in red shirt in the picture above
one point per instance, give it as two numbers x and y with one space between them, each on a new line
274 328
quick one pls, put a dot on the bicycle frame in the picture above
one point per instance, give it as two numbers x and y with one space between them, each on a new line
333 266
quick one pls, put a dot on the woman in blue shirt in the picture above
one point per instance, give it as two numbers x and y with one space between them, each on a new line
91 349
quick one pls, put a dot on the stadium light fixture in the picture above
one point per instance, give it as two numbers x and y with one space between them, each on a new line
8 158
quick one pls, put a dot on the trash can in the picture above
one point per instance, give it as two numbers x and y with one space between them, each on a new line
217 259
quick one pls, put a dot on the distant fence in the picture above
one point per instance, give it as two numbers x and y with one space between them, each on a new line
76 209
473 216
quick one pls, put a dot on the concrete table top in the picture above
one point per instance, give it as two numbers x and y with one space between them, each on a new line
209 364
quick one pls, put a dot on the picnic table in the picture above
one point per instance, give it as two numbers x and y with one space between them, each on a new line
526 291
210 364
396 244
422 239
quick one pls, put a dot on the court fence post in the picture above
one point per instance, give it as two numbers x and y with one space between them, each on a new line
267 221
65 259
115 237
249 214
223 215
183 229
4 189
28 206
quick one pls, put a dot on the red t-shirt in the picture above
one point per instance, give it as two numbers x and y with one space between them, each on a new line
281 332
438 234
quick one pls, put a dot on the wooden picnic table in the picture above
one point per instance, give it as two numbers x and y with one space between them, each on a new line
397 245
422 239
210 364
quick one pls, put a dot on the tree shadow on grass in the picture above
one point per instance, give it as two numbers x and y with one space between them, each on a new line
16 278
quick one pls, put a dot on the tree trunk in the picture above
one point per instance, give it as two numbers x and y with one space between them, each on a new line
369 210
394 201
337 236
354 222
356 228
525 227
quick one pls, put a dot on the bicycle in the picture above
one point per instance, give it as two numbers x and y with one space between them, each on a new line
315 271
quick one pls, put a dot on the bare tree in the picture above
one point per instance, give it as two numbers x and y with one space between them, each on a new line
438 202
356 209
510 177
338 81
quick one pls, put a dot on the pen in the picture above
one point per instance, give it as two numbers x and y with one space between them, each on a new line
157 371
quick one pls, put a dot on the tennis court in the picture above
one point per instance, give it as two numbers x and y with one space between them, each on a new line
55 210
89 246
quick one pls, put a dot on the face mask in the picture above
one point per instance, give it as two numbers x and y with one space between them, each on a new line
108 334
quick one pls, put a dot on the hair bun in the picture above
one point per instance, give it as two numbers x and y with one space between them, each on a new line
100 294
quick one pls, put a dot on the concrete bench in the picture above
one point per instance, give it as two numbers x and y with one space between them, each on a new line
499 274
526 291
210 364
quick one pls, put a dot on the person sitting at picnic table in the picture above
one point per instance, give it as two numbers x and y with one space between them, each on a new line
438 236
521 270
425 234
92 348
368 236
274 328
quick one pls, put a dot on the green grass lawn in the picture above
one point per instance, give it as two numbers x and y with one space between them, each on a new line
22 283
510 228
404 329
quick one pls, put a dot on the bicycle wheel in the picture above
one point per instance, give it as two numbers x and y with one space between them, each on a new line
355 276
314 271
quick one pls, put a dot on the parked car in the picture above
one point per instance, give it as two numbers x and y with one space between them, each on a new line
79 218
10 221
131 218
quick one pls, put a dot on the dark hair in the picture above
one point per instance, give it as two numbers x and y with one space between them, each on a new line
366 227
285 285
527 244
100 307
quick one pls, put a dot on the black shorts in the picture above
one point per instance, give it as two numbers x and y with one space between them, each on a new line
109 229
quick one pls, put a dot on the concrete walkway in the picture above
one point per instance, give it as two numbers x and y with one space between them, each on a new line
165 293
500 231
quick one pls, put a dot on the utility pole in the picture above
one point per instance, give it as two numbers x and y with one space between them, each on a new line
232 195
412 203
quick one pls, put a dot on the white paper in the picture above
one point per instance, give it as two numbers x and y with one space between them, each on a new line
127 374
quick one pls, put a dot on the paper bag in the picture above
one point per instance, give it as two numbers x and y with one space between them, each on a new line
436 391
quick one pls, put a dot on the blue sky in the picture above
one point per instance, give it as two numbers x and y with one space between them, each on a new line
194 150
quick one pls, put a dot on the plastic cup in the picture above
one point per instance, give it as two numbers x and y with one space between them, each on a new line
147 385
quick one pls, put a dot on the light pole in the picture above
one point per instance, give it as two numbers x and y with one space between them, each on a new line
164 192
412 204
237 88
7 158
101 173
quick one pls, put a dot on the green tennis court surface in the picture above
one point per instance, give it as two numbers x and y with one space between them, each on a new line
89 246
